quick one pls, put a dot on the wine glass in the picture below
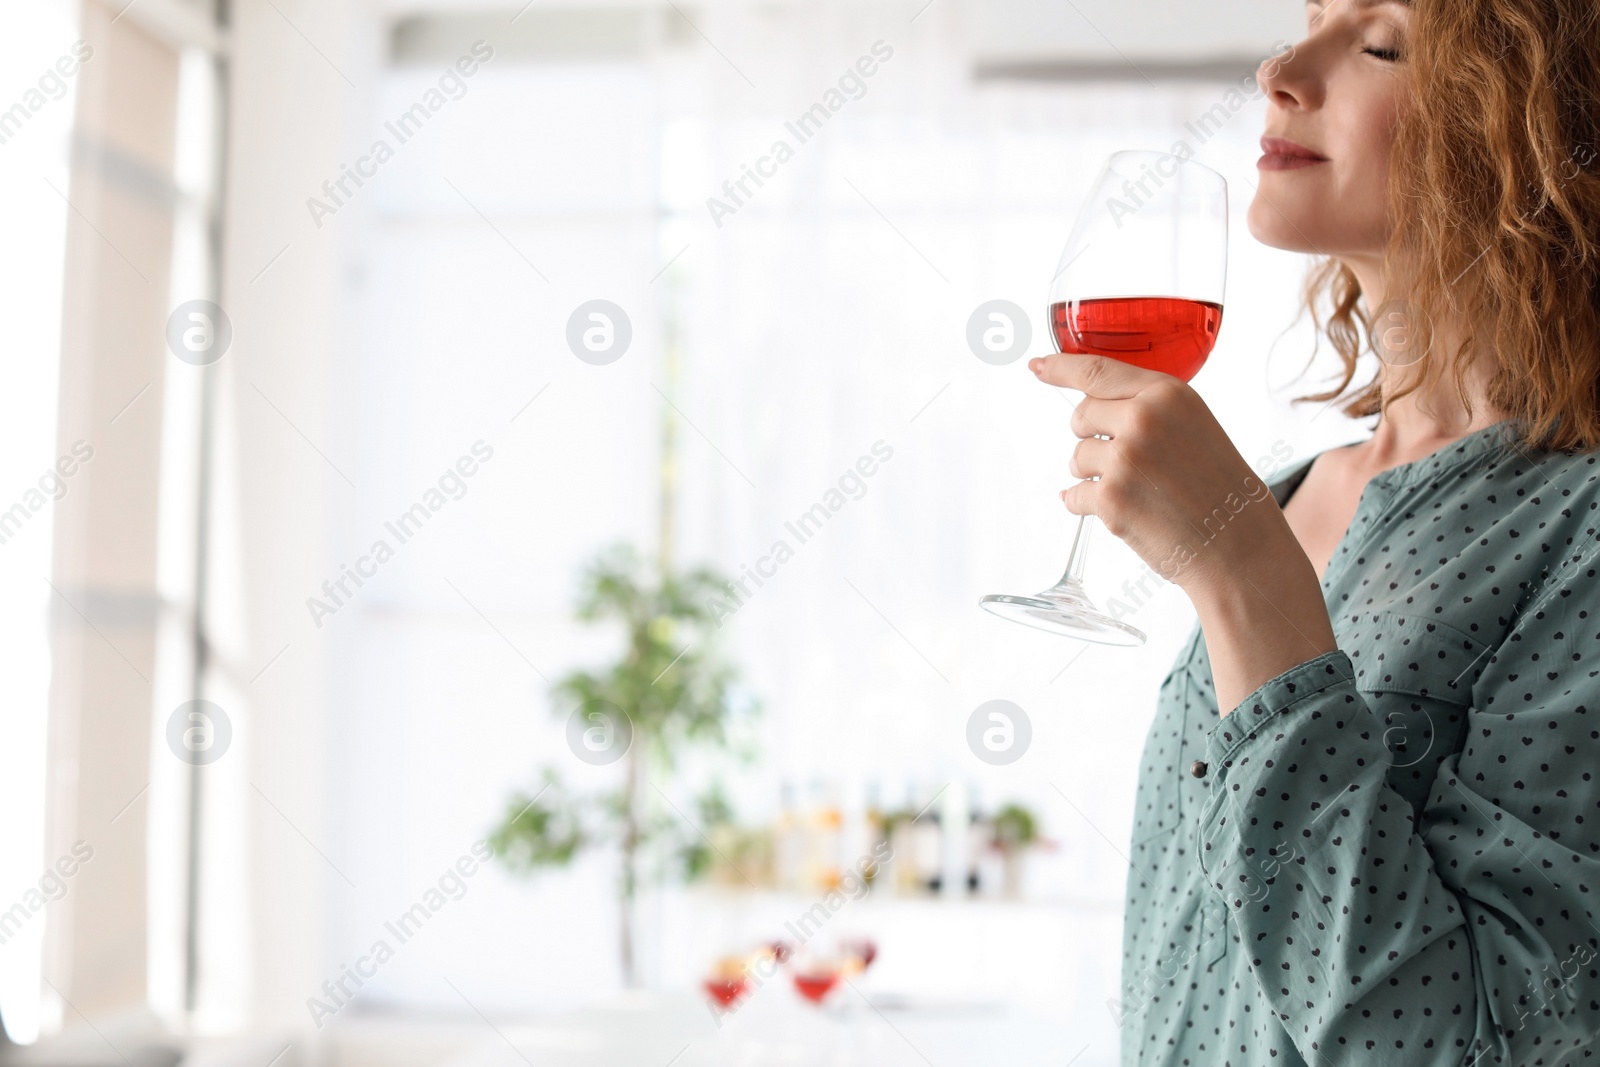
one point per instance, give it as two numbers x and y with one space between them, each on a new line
1141 280
859 953
817 968
729 981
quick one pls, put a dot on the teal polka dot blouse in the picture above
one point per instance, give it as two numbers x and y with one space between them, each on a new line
1390 854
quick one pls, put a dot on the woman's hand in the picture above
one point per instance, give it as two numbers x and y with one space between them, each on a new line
1170 484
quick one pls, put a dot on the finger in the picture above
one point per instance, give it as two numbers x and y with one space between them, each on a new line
1094 417
1082 499
1099 376
1091 458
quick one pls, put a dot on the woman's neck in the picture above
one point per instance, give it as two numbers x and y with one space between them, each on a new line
1433 414
1409 430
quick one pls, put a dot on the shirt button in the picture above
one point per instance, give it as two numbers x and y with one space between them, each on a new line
1198 768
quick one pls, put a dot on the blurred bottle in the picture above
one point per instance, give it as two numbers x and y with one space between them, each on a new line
824 837
875 832
926 844
789 846
955 821
991 866
978 836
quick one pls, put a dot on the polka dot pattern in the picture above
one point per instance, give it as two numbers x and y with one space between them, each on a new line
1393 853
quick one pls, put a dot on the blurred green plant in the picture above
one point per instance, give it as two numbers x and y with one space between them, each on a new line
1014 829
678 695
714 813
1015 832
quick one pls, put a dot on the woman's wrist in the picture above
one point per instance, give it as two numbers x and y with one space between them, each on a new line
1260 619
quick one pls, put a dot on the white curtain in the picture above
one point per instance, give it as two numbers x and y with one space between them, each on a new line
34 157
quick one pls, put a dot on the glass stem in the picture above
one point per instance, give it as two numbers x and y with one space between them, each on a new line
1080 553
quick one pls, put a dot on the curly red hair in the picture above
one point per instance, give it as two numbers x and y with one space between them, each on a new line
1496 212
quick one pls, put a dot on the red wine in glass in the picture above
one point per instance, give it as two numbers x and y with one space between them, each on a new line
816 984
1168 334
726 990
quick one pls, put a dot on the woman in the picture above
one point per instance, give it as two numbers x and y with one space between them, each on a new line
1368 827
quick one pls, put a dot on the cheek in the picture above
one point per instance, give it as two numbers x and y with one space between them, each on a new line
1340 206
1366 177
1367 182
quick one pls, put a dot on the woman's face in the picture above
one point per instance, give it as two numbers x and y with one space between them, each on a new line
1338 93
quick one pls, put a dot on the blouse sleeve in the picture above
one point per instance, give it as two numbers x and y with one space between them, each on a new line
1463 935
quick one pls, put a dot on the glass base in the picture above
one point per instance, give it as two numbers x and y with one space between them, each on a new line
1064 609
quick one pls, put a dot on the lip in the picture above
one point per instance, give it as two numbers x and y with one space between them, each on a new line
1281 154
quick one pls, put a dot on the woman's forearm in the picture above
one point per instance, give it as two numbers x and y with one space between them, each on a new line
1262 617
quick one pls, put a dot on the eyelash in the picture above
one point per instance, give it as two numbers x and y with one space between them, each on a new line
1390 55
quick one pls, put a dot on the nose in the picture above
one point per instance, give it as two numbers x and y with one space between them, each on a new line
1288 80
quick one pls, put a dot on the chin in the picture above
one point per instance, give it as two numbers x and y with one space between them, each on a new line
1280 227
1286 224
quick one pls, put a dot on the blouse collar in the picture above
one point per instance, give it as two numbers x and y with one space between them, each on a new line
1495 438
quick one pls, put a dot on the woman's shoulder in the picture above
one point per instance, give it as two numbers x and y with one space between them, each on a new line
1552 491
1567 469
